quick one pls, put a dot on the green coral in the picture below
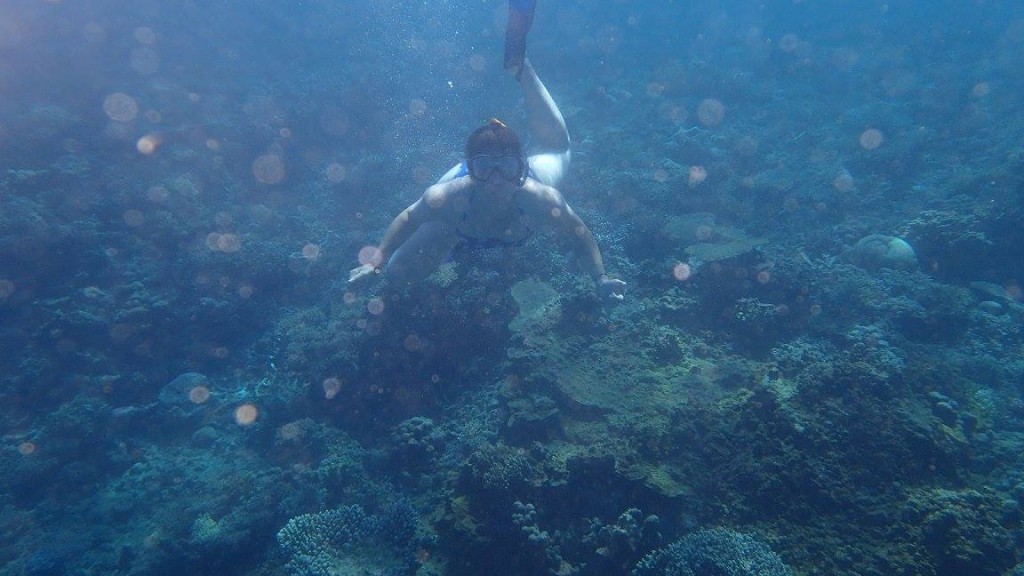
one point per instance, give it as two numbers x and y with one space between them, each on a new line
539 305
708 241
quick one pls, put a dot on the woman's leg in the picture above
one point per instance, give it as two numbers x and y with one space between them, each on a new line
421 254
548 135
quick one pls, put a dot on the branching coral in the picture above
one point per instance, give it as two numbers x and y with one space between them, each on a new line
714 551
347 541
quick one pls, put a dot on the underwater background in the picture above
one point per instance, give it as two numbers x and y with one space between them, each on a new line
818 368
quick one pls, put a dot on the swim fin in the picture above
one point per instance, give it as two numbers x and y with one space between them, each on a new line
520 17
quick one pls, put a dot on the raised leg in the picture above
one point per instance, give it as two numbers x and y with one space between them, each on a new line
549 139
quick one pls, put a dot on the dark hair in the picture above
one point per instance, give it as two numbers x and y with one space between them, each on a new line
493 138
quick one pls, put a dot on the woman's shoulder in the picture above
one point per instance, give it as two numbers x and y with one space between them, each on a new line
443 194
536 192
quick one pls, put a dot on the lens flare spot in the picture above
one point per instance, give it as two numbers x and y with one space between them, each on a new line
336 173
764 277
843 182
747 146
1014 291
477 63
157 194
370 255
133 218
412 343
789 43
199 394
144 60
229 243
331 387
375 306
120 107
608 39
246 414
93 33
421 174
148 144
311 252
223 219
144 35
871 138
682 271
335 121
26 448
417 107
290 431
697 175
710 112
268 169
673 112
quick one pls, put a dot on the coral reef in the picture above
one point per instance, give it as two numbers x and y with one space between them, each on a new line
347 541
881 251
714 551
188 385
708 241
539 308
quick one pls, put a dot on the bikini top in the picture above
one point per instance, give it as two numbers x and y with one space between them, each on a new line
490 242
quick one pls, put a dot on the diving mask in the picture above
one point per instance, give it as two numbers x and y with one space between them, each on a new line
509 166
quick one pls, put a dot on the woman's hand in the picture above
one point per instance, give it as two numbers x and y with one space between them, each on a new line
361 272
611 289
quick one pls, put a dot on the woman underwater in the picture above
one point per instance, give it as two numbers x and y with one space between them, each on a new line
499 195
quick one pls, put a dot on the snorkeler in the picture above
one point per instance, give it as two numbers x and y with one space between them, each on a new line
498 196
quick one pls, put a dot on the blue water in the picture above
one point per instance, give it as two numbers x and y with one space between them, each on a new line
817 366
